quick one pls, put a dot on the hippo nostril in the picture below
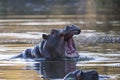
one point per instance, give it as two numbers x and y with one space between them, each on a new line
77 32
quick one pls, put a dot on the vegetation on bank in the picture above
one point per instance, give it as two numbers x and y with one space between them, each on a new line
48 7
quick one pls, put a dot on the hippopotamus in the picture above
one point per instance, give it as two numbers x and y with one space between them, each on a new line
82 75
57 44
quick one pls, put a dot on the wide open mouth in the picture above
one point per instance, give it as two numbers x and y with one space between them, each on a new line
70 49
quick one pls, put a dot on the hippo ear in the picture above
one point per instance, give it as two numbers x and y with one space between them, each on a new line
44 36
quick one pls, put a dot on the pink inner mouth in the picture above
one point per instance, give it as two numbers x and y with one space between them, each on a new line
70 50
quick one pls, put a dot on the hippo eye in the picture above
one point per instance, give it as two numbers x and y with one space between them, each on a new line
54 31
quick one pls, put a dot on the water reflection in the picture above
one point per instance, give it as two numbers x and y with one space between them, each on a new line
39 70
54 69
15 70
19 69
101 43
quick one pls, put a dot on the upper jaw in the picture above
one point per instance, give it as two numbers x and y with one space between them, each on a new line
68 33
71 28
72 32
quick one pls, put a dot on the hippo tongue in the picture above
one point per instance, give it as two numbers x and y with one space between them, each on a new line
70 49
70 44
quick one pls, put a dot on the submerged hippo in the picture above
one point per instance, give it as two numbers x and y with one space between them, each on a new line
57 44
82 75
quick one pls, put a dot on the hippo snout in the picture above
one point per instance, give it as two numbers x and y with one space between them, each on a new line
71 29
77 31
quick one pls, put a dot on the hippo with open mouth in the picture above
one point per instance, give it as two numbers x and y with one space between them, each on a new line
57 44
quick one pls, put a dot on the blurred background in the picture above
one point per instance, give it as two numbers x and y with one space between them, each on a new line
89 14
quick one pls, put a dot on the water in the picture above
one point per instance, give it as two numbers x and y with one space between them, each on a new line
99 43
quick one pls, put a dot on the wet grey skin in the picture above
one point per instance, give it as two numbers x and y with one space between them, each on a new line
82 75
55 45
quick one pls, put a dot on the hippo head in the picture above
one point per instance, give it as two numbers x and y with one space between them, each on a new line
82 75
60 43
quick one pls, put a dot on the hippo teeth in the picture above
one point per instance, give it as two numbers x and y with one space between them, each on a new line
70 50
